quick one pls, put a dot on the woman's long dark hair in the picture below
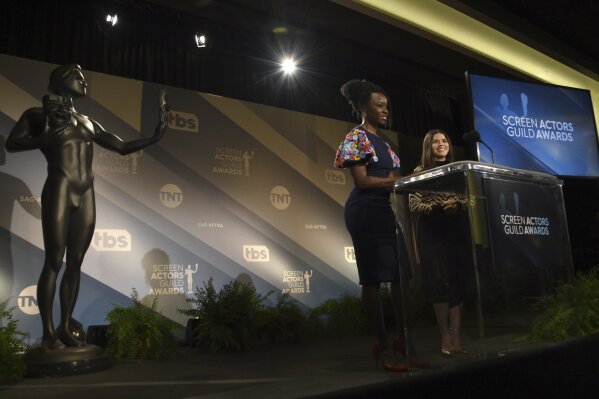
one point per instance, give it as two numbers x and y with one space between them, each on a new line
358 93
426 159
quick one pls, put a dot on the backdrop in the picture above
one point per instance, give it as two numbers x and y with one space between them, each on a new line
235 190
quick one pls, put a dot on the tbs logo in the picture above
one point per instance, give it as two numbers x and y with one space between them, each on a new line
111 240
183 121
27 300
256 253
350 254
334 176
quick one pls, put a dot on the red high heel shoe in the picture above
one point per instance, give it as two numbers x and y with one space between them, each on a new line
398 346
377 352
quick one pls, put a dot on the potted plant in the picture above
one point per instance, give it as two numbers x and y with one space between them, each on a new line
140 332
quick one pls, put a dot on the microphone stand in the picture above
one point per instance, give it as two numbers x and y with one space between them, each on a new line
490 150
474 136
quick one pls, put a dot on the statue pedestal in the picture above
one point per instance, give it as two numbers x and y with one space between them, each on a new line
43 362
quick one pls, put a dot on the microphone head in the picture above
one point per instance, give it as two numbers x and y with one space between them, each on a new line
471 137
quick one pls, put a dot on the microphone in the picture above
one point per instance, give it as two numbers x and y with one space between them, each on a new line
473 136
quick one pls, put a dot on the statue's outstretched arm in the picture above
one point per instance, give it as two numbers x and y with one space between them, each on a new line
27 133
113 142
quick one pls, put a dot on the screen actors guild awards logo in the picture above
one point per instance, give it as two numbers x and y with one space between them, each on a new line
134 157
246 161
108 161
307 277
350 254
189 274
297 281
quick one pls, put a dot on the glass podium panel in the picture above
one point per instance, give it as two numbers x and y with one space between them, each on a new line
475 270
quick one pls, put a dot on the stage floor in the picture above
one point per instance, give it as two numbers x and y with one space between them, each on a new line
323 368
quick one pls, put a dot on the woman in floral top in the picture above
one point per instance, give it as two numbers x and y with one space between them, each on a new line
368 214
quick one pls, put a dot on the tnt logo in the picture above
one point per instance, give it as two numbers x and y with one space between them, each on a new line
105 240
183 121
280 197
171 195
27 300
256 253
334 176
350 254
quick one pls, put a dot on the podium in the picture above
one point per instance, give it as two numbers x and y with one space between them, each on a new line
516 250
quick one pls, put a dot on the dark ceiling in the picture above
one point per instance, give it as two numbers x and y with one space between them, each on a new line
423 75
565 30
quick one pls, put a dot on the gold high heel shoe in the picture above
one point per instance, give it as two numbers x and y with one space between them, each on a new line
446 348
446 353
458 350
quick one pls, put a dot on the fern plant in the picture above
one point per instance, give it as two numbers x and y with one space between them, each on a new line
283 323
573 311
12 345
140 332
342 317
227 318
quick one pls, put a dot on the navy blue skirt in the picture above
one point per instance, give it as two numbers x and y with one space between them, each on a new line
371 224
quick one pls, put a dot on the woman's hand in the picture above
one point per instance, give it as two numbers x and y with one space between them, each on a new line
450 206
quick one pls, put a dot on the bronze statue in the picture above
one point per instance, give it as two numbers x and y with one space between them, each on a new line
66 138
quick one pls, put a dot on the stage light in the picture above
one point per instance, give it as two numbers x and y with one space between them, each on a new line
112 19
201 40
279 30
288 66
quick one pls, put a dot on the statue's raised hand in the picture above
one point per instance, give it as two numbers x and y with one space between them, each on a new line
163 109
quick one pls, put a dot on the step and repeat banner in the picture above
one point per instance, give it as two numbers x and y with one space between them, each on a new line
234 190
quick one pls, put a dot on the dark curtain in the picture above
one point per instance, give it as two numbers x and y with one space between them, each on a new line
152 43
145 45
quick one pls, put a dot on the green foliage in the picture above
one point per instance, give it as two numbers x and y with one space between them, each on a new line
283 323
139 332
237 317
342 317
12 345
224 317
573 311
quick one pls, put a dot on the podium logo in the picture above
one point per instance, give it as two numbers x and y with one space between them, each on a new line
334 176
107 240
171 195
27 300
350 254
183 121
256 253
280 197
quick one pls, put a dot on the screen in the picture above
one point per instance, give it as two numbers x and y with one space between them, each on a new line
539 127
